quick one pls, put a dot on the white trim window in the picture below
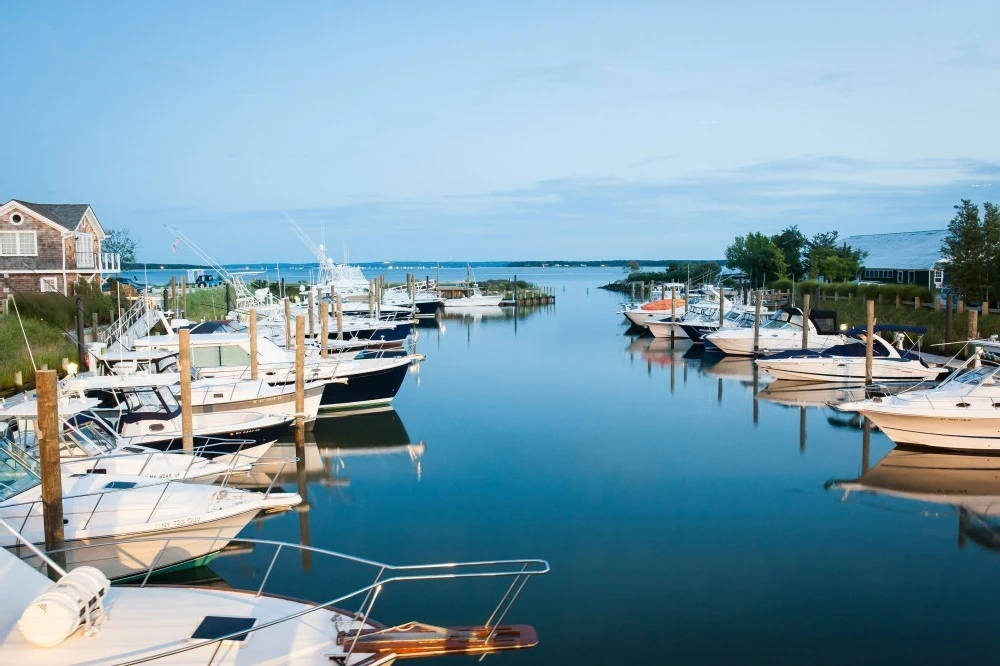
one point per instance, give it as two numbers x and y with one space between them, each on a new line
18 244
85 251
49 284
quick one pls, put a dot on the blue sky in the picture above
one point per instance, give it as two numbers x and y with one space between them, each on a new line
474 130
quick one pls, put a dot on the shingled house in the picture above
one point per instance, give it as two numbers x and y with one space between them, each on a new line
908 257
48 247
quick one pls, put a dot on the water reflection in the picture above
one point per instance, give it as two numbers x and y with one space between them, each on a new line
809 394
333 440
967 484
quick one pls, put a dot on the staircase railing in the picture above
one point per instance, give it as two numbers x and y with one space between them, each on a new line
134 324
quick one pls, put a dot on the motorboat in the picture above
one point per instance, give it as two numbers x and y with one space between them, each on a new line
846 362
473 297
961 413
741 316
212 395
101 507
144 410
783 331
89 445
351 379
656 309
73 616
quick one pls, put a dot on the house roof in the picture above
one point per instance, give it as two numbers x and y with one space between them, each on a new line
65 215
910 250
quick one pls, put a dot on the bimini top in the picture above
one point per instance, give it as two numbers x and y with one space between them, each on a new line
886 328
29 407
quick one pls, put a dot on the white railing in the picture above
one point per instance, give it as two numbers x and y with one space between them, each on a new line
134 324
110 262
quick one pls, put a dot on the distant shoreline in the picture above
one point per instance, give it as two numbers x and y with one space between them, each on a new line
422 265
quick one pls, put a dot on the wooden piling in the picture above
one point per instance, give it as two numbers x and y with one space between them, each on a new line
94 328
947 320
288 323
340 317
673 314
961 306
253 344
805 321
50 462
312 315
187 420
173 294
324 328
869 339
229 299
184 301
371 299
18 379
756 325
916 302
973 324
722 300
899 302
300 382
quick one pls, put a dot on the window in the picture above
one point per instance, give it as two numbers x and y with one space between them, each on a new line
85 251
49 284
18 244
16 219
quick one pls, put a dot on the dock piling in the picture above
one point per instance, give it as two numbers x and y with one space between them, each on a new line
947 319
805 321
50 463
288 323
869 338
300 383
187 421
81 344
340 318
324 328
756 326
253 344
973 324
312 315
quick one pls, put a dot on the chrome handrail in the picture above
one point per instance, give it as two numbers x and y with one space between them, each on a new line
519 570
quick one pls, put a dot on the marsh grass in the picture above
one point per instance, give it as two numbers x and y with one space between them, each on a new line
49 345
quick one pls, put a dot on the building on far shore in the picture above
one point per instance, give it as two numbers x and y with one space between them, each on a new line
48 247
907 257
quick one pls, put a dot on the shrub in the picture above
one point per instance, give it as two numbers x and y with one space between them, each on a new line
783 284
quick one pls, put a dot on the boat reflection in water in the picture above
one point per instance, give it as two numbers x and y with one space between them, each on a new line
376 432
734 368
808 394
970 484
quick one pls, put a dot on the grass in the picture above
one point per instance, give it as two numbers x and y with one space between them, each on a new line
49 345
852 313
206 304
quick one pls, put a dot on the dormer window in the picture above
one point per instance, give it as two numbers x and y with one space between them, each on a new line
16 219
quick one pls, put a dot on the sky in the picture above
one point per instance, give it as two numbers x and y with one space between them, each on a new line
498 130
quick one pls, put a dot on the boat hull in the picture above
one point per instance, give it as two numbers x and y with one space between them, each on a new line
365 389
845 369
484 301
740 342
662 329
939 432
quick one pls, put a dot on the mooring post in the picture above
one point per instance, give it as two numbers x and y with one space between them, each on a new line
805 321
947 319
515 291
300 384
437 278
229 299
340 318
288 323
94 327
869 338
81 344
973 324
722 300
184 300
899 302
371 299
324 328
673 315
253 344
47 387
187 421
312 315
173 294
916 302
756 325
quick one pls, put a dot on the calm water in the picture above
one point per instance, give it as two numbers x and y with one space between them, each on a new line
683 520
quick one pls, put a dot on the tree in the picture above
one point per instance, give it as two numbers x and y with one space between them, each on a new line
966 249
122 242
756 255
991 244
818 247
631 267
792 242
836 263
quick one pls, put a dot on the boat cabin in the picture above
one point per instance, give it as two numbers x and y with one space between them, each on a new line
823 322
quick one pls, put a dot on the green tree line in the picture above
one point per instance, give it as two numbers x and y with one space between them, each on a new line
790 254
972 248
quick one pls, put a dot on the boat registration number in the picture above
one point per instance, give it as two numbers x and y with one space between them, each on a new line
180 522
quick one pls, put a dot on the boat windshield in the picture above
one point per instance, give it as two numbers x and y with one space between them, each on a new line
87 436
18 471
783 319
734 315
984 376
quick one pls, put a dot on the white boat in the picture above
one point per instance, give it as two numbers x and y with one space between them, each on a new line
959 414
100 507
82 620
474 298
846 362
89 445
783 331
